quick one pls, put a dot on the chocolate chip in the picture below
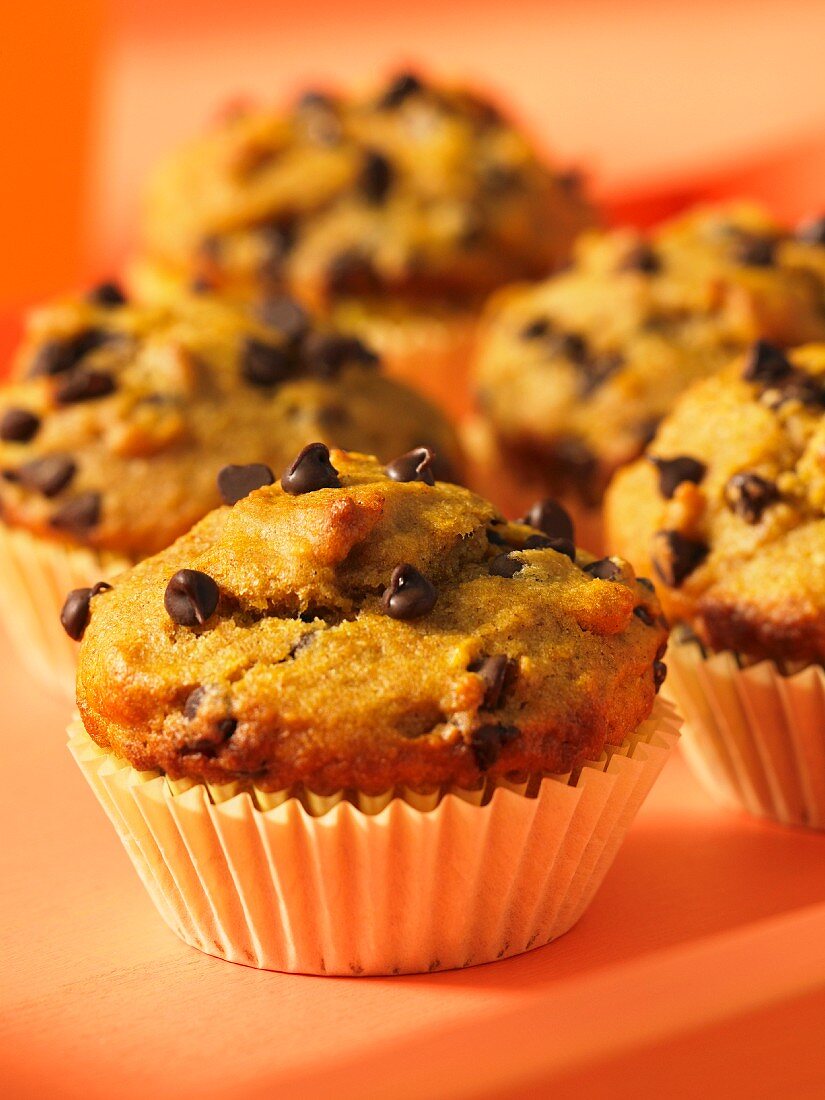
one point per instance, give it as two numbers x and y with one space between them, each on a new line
551 519
673 471
659 674
495 538
83 385
78 515
641 258
413 466
409 594
748 495
190 597
535 330
58 356
326 354
812 231
675 557
375 178
500 179
400 89
505 565
766 364
108 295
597 369
645 582
497 674
754 250
351 272
264 364
320 117
642 613
286 315
47 475
193 701
311 470
563 546
537 542
18 426
604 569
237 482
278 238
487 742
75 612
803 387
573 347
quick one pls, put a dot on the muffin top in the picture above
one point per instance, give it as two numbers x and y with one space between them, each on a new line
119 416
576 372
728 507
353 626
419 189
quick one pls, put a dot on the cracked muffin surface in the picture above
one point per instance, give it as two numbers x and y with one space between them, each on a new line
416 188
119 416
351 626
574 374
727 508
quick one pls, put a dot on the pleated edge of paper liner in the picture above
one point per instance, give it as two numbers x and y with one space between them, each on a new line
36 575
177 838
754 733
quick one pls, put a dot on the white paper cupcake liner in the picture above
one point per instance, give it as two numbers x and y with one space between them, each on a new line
35 577
403 883
754 737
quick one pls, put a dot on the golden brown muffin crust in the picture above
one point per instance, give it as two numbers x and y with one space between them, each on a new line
515 657
727 508
120 416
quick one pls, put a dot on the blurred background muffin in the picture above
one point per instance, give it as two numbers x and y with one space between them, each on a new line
395 211
726 512
120 416
574 374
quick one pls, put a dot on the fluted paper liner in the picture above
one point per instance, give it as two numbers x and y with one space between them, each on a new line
754 737
35 577
403 883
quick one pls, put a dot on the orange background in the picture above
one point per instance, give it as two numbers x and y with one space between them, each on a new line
703 957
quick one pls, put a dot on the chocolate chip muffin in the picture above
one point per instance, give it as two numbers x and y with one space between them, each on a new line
574 374
727 512
396 210
119 417
356 639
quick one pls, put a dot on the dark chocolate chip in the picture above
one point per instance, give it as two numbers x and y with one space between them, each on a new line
108 295
264 364
642 258
497 674
400 89
326 354
659 674
190 597
537 542
604 569
673 471
644 615
748 495
597 370
278 238
75 613
311 470
78 515
572 346
505 565
549 517
58 356
812 231
286 315
487 742
409 594
495 538
675 557
415 465
375 178
647 583
351 272
766 364
803 387
83 385
754 250
564 546
47 475
237 482
18 426
193 701
535 330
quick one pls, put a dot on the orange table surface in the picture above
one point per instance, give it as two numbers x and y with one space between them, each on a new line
702 957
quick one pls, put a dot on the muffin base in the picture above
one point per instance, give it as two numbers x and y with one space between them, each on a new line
403 883
35 578
754 736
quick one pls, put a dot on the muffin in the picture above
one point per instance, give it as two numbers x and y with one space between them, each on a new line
119 416
307 713
727 512
395 211
574 374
